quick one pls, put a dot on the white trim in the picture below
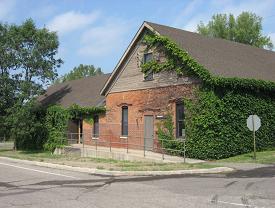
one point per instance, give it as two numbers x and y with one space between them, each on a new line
238 204
144 25
153 87
95 138
123 137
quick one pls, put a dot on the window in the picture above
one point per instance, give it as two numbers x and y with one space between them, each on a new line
124 121
149 75
179 120
96 126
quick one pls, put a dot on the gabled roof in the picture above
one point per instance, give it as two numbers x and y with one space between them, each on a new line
221 57
84 92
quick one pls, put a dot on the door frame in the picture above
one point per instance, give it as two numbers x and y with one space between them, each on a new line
153 135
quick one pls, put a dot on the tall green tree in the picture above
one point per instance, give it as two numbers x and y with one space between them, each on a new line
245 28
27 63
7 83
80 72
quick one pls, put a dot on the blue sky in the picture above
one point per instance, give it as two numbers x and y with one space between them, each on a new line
98 31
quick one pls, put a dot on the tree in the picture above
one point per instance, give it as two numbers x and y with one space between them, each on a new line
28 126
27 63
80 72
27 58
245 28
8 85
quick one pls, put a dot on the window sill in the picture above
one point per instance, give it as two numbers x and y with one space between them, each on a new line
95 138
123 137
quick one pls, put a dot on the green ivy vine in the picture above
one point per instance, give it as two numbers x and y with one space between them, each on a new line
181 62
85 113
216 119
56 123
57 118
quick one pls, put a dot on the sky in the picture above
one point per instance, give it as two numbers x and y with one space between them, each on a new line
98 32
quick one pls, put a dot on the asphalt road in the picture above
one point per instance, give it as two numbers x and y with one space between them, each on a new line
33 186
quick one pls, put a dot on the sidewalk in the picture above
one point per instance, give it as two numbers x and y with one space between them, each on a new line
241 166
132 155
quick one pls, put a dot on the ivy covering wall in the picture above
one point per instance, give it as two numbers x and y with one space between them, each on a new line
57 124
216 123
57 119
216 118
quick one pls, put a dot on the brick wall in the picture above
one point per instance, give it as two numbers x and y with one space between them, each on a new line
153 101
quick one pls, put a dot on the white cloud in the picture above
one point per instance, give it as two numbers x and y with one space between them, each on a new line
188 19
188 10
72 20
260 8
6 7
191 25
103 40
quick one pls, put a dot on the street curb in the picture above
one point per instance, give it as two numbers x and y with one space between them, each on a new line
120 173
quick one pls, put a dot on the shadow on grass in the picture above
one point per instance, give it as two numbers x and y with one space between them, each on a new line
29 152
5 150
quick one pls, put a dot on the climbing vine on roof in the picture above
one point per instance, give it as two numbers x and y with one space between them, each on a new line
78 112
181 62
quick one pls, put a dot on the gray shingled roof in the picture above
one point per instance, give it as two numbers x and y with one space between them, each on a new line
221 57
84 92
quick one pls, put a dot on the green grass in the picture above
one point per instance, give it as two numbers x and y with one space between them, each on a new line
107 164
264 157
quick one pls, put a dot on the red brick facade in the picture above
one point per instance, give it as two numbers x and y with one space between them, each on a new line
153 101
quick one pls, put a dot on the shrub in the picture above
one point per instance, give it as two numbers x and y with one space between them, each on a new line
167 137
28 126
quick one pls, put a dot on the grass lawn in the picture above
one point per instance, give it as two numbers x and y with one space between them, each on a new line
98 163
265 157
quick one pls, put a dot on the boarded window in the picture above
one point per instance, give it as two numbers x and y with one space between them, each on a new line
149 75
124 121
179 120
96 126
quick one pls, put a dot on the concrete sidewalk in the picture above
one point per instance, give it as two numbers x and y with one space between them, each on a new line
241 166
131 155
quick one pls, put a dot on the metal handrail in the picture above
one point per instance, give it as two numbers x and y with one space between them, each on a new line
123 143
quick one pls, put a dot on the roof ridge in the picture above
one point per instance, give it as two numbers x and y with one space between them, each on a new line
88 77
207 37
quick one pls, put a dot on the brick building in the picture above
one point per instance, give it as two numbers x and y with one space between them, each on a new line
136 102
